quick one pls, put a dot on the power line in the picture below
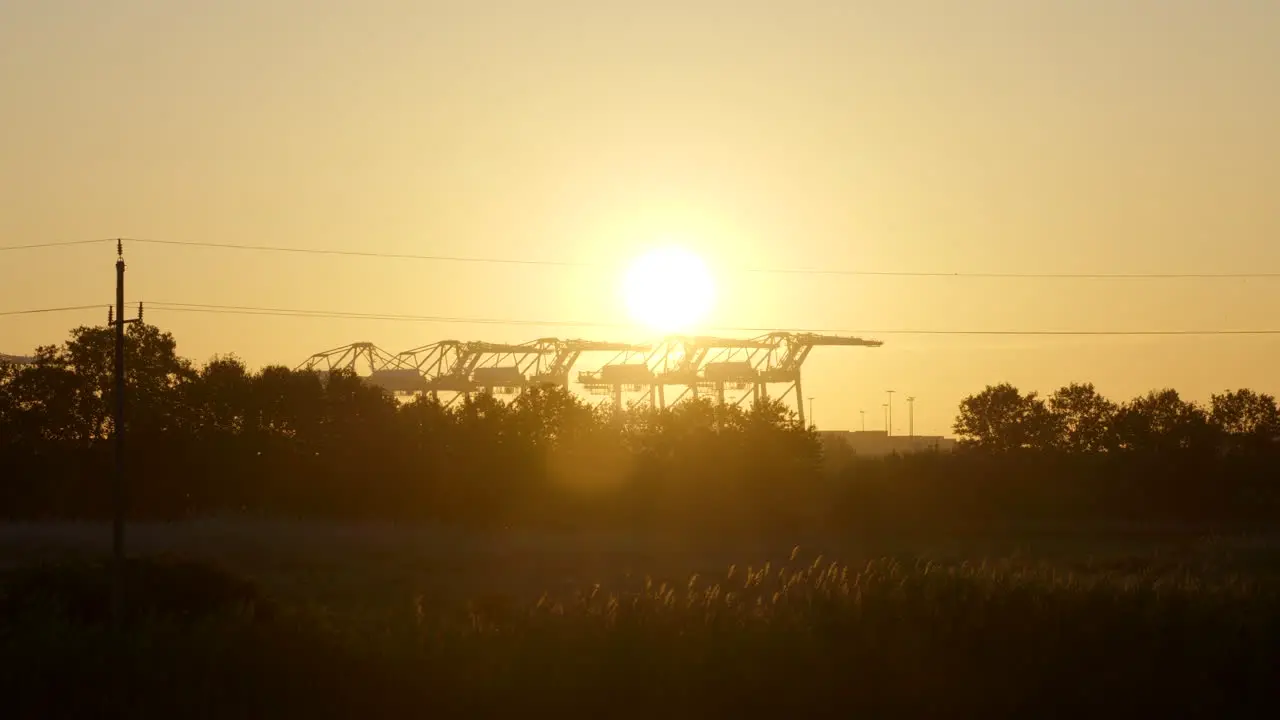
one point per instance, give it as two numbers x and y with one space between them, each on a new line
64 243
327 314
340 315
748 269
53 310
367 254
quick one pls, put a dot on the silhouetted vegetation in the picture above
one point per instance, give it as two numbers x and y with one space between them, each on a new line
894 637
166 589
806 637
220 439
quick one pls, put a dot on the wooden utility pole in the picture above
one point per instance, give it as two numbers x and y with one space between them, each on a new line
118 497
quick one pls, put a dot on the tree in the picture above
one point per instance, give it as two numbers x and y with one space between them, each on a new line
1000 418
153 371
42 401
1250 421
1162 422
1084 420
220 397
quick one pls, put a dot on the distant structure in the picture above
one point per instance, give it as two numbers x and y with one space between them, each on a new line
878 443
16 359
726 370
362 356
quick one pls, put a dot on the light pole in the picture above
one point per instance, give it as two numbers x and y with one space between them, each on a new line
812 422
863 413
885 406
888 425
911 416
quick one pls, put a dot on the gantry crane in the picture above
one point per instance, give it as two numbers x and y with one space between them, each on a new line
348 357
695 364
553 365
677 361
628 371
455 367
780 364
356 357
684 363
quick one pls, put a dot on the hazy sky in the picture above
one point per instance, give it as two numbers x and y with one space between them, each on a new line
898 135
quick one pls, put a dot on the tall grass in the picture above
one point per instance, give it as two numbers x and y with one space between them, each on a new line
892 638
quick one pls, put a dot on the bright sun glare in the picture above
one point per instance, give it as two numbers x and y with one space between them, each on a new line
668 289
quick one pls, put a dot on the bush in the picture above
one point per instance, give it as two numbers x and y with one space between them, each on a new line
162 588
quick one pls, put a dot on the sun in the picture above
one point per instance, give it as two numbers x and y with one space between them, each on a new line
668 289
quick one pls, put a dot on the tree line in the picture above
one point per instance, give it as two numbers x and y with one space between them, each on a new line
1078 419
218 438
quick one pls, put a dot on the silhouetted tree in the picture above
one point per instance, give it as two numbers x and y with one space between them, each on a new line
1000 418
42 401
1250 421
1162 422
1083 419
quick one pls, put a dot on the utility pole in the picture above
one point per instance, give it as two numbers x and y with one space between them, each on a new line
863 413
888 425
885 407
812 422
911 416
117 432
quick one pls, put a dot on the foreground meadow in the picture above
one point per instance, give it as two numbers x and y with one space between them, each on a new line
244 619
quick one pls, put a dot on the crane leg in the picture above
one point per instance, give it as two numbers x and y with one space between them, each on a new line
800 401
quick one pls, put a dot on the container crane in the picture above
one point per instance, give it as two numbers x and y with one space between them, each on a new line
787 353
677 361
694 364
360 356
685 363
501 368
553 364
628 371
454 367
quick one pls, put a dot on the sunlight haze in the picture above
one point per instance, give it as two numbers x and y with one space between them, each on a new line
993 136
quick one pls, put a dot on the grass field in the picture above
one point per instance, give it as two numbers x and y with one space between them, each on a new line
384 621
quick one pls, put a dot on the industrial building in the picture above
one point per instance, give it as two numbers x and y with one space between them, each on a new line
878 443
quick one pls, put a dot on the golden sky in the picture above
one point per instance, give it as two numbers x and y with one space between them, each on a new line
901 135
